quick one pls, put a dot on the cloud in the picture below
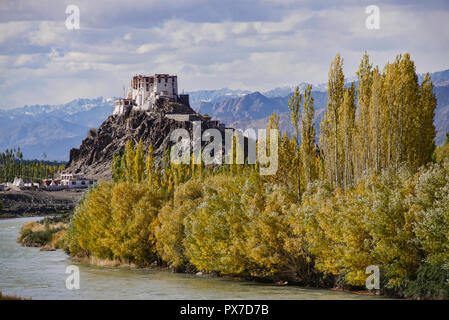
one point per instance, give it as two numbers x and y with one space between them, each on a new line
254 45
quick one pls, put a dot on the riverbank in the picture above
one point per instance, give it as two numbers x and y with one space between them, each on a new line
13 297
25 203
41 275
48 235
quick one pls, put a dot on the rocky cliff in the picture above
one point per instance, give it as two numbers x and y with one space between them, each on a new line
94 157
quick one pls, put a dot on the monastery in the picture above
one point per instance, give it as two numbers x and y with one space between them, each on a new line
146 90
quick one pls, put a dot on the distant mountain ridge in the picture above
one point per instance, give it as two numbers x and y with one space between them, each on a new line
51 129
55 129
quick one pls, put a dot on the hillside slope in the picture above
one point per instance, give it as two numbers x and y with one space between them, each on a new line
94 157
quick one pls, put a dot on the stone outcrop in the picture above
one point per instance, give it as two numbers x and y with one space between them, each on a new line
94 157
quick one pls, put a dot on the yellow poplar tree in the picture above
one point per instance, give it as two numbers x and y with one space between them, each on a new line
294 105
129 160
139 163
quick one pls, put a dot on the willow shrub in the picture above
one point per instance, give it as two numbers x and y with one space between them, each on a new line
215 231
240 227
169 231
431 206
346 231
117 221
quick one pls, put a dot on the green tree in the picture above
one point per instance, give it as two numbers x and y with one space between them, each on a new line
139 163
426 129
294 105
130 155
308 137
330 125
364 91
152 174
346 134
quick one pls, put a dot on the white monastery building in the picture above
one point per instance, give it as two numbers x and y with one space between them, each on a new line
146 90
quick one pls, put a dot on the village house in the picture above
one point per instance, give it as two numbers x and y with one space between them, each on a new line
68 181
71 181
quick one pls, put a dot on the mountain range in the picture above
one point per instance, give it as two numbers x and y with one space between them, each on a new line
50 131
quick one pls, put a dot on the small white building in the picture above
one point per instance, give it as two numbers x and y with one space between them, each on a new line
71 181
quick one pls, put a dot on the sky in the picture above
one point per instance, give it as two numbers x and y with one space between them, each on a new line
238 44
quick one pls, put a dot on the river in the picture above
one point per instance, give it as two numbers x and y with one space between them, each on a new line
30 273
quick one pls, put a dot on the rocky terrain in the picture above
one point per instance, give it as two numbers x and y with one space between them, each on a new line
94 157
18 203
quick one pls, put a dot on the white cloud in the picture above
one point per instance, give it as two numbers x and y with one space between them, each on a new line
148 47
246 45
13 30
48 33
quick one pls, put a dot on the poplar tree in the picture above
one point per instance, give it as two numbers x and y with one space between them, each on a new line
308 137
409 113
376 119
331 122
294 105
116 168
426 130
152 176
364 77
139 163
346 134
129 159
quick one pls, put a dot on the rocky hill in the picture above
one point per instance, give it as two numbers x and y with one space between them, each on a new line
94 157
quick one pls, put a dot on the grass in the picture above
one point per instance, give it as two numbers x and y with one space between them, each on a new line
37 234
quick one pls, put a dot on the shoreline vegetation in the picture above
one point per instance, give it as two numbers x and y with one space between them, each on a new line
48 234
375 192
11 297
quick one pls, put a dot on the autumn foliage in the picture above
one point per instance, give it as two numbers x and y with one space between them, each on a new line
371 193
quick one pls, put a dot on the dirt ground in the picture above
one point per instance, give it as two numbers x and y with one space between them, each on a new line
17 203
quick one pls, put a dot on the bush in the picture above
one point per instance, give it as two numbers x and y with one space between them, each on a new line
116 221
171 223
92 132
432 282
215 230
39 234
431 207
38 238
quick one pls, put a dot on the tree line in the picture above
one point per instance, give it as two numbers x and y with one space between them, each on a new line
13 165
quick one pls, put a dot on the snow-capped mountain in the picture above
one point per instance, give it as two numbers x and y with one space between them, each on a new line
51 129
55 129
